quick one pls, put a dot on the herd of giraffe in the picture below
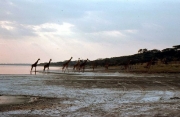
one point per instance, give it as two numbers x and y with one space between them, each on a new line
80 65
147 66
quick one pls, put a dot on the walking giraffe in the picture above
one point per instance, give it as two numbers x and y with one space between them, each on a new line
82 65
76 65
47 65
106 66
126 66
148 65
34 65
65 65
94 65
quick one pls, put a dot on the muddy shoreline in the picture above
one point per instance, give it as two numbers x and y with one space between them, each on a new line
93 94
39 103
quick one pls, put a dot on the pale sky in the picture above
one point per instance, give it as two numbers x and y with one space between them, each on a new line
59 29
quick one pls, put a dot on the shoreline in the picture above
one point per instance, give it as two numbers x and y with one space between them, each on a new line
99 95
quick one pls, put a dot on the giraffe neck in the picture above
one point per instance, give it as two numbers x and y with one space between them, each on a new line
85 61
69 60
36 62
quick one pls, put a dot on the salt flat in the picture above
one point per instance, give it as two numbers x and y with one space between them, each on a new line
93 94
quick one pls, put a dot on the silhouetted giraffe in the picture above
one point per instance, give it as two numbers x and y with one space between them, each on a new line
106 66
94 65
82 65
65 65
126 67
34 65
148 65
165 61
76 65
47 65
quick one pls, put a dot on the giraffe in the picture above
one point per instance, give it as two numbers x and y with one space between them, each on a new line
82 65
94 65
76 65
47 65
126 66
65 65
34 65
148 65
165 61
106 66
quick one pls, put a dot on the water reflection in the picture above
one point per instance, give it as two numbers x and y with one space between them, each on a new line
16 99
22 69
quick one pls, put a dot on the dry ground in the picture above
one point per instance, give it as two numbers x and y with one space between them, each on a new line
98 94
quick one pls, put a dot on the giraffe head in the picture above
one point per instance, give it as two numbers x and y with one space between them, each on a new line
50 60
38 59
87 60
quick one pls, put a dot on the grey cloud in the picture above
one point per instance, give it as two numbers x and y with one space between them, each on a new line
17 32
119 15
38 12
90 16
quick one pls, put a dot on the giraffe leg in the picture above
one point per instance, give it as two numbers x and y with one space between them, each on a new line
79 69
74 67
62 68
31 68
65 69
83 69
35 70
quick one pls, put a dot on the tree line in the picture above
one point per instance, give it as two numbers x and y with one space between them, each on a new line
142 56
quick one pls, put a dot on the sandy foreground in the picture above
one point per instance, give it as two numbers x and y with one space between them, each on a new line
90 94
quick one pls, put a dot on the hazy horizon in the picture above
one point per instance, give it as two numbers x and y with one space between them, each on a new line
90 29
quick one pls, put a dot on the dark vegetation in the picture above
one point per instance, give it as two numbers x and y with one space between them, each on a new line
164 56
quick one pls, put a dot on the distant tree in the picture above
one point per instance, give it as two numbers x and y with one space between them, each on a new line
154 51
177 47
168 50
144 50
140 51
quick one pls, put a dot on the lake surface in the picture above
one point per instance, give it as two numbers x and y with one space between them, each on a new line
25 70
22 69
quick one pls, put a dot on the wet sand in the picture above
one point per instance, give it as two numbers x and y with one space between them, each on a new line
107 94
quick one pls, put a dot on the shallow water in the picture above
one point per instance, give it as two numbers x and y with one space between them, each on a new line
25 69
22 69
7 99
